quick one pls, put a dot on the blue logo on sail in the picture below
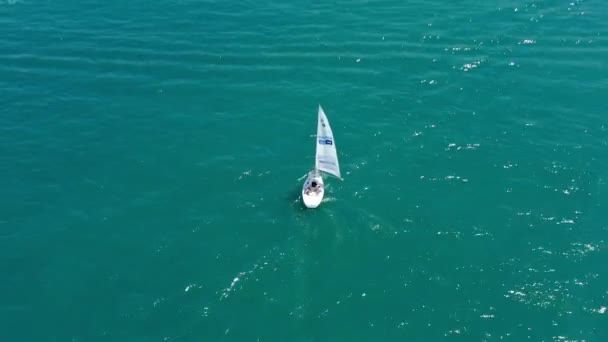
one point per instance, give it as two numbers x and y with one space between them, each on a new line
325 141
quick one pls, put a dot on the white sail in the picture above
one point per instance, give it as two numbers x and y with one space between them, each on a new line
327 157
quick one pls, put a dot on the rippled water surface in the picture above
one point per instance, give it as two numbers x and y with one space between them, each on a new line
151 156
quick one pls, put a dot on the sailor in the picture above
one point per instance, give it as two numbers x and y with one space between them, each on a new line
315 187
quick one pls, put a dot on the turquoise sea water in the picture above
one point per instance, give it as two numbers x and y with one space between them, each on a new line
151 155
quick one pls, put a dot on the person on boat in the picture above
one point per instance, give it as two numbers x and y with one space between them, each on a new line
313 187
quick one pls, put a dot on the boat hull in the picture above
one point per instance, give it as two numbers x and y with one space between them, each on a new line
313 198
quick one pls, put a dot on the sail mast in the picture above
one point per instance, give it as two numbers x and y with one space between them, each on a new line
316 141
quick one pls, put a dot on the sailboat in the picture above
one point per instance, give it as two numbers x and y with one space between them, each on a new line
326 161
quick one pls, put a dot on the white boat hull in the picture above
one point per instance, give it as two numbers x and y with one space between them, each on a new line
312 197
